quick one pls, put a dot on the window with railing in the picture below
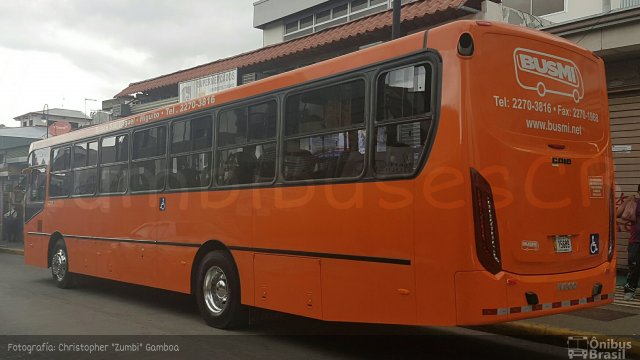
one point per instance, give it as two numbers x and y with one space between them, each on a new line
325 17
629 3
537 7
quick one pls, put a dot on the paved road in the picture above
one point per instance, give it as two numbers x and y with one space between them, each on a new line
30 304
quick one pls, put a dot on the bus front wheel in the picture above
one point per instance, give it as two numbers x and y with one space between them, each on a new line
60 266
218 292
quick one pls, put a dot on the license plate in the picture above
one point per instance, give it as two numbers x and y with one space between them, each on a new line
563 243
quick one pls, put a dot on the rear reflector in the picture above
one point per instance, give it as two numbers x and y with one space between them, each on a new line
485 223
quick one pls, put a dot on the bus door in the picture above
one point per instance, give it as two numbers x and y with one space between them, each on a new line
146 179
33 205
35 195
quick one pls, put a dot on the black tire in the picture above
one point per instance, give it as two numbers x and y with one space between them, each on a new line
218 292
60 266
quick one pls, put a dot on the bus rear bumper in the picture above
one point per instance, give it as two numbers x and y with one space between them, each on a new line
483 298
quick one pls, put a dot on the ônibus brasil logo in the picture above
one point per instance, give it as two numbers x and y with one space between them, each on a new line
545 73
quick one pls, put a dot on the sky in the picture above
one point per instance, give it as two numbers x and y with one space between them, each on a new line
62 52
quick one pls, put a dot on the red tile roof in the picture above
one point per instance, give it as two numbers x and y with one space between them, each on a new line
414 15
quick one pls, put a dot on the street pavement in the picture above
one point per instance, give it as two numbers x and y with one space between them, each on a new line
16 248
30 304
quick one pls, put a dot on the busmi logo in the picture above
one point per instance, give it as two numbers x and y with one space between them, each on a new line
545 73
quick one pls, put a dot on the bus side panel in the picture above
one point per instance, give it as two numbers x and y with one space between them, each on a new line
354 228
36 248
79 252
244 262
194 218
174 267
122 250
288 283
90 257
368 292
136 264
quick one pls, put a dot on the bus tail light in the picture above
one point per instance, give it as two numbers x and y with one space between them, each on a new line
612 225
485 223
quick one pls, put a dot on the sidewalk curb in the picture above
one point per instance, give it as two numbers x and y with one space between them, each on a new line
542 330
12 251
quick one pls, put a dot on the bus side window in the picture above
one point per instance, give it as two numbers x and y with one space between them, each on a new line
148 160
325 135
190 153
247 147
403 119
85 171
61 180
39 157
114 166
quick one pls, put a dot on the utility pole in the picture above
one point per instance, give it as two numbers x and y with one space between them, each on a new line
396 31
85 105
45 117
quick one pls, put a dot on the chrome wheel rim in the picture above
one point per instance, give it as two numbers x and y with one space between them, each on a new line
59 265
215 290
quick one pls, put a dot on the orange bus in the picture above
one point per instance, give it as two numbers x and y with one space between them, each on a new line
460 175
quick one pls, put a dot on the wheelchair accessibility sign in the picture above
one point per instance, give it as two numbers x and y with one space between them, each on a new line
594 244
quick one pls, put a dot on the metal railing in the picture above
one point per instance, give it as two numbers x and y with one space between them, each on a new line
139 108
629 3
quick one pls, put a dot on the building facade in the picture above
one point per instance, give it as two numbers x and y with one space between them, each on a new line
47 117
280 20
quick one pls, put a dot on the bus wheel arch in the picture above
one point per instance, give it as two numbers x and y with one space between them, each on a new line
53 239
215 284
207 247
58 260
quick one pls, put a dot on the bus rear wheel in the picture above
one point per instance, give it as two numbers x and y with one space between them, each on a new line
218 292
60 266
